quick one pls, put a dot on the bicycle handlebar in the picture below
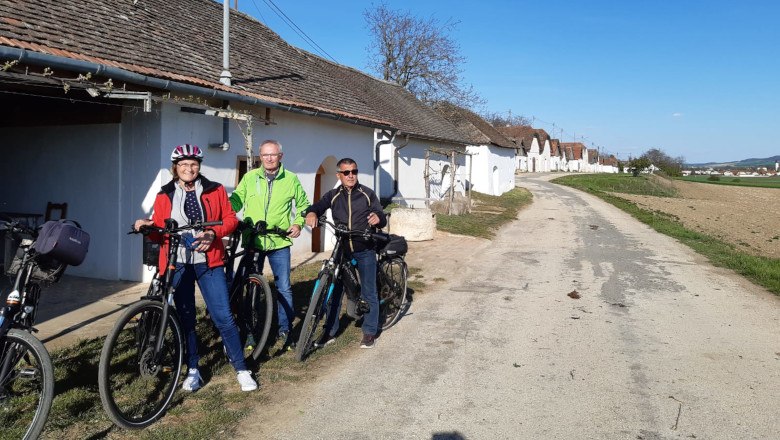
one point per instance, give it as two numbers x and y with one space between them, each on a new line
7 223
341 229
261 228
172 227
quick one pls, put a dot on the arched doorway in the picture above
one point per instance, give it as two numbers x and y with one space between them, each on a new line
324 181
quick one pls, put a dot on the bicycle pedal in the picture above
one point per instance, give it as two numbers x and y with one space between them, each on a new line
167 369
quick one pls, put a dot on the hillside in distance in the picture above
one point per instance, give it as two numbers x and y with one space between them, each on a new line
768 162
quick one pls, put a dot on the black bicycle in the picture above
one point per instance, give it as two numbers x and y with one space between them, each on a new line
26 372
251 300
392 273
141 361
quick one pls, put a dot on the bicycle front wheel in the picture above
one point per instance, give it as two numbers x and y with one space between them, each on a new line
392 291
136 385
256 313
312 331
26 385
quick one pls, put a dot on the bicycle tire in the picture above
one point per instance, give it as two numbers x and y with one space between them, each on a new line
259 302
318 306
134 390
30 373
392 291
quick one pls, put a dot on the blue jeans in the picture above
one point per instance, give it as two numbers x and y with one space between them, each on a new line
366 264
213 287
279 260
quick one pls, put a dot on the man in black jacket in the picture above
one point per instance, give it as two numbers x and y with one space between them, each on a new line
358 207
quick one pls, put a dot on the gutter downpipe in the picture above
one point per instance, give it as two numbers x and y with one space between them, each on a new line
390 134
395 165
40 59
225 77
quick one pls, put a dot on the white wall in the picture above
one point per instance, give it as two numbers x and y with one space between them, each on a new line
307 143
411 181
76 164
109 174
492 170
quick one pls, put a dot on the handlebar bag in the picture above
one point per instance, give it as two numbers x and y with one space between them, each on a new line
63 240
396 246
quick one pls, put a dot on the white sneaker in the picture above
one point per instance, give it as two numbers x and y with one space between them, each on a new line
245 380
193 381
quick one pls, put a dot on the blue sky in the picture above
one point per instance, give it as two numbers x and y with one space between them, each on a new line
698 79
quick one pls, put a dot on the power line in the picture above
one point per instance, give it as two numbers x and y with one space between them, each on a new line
289 22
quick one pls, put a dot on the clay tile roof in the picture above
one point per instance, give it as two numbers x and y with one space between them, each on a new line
477 130
181 40
576 149
555 147
524 135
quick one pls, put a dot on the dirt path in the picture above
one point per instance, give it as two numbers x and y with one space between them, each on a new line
748 218
657 345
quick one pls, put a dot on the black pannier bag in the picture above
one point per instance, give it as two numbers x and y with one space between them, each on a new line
396 246
64 241
151 251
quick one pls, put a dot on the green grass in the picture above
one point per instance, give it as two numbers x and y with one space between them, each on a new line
761 270
760 182
619 183
489 213
213 412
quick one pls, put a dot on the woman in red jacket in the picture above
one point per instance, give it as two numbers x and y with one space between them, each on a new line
189 197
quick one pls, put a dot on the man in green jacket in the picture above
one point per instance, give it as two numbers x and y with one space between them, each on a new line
268 193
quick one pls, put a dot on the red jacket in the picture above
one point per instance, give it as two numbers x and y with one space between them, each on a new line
215 205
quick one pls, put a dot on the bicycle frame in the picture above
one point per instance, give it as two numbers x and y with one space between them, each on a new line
174 241
337 263
19 311
250 255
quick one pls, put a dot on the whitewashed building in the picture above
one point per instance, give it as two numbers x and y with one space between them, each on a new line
534 144
91 113
579 161
491 162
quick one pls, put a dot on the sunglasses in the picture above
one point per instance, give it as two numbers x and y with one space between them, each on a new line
348 172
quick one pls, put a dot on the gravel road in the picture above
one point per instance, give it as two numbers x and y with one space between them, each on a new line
659 344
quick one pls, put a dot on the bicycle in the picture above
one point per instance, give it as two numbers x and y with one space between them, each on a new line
26 371
141 360
392 273
250 295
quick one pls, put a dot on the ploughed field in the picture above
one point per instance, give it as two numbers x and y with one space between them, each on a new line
747 217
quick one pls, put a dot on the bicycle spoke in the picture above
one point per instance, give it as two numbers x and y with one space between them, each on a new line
392 291
136 385
26 388
311 330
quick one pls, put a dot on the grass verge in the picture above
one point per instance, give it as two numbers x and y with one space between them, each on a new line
213 412
488 214
761 270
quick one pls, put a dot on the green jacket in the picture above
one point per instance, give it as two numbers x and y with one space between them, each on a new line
252 194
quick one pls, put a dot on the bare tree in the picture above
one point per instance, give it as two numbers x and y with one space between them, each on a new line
670 165
418 54
505 120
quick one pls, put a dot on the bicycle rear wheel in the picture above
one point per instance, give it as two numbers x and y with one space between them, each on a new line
392 291
312 331
255 314
26 385
135 388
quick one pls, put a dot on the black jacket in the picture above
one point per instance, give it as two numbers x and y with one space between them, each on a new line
351 208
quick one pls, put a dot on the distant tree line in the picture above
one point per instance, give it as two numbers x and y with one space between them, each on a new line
669 165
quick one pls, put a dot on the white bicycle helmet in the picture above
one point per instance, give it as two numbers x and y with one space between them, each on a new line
187 151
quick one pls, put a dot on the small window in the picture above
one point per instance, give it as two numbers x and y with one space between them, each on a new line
241 166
